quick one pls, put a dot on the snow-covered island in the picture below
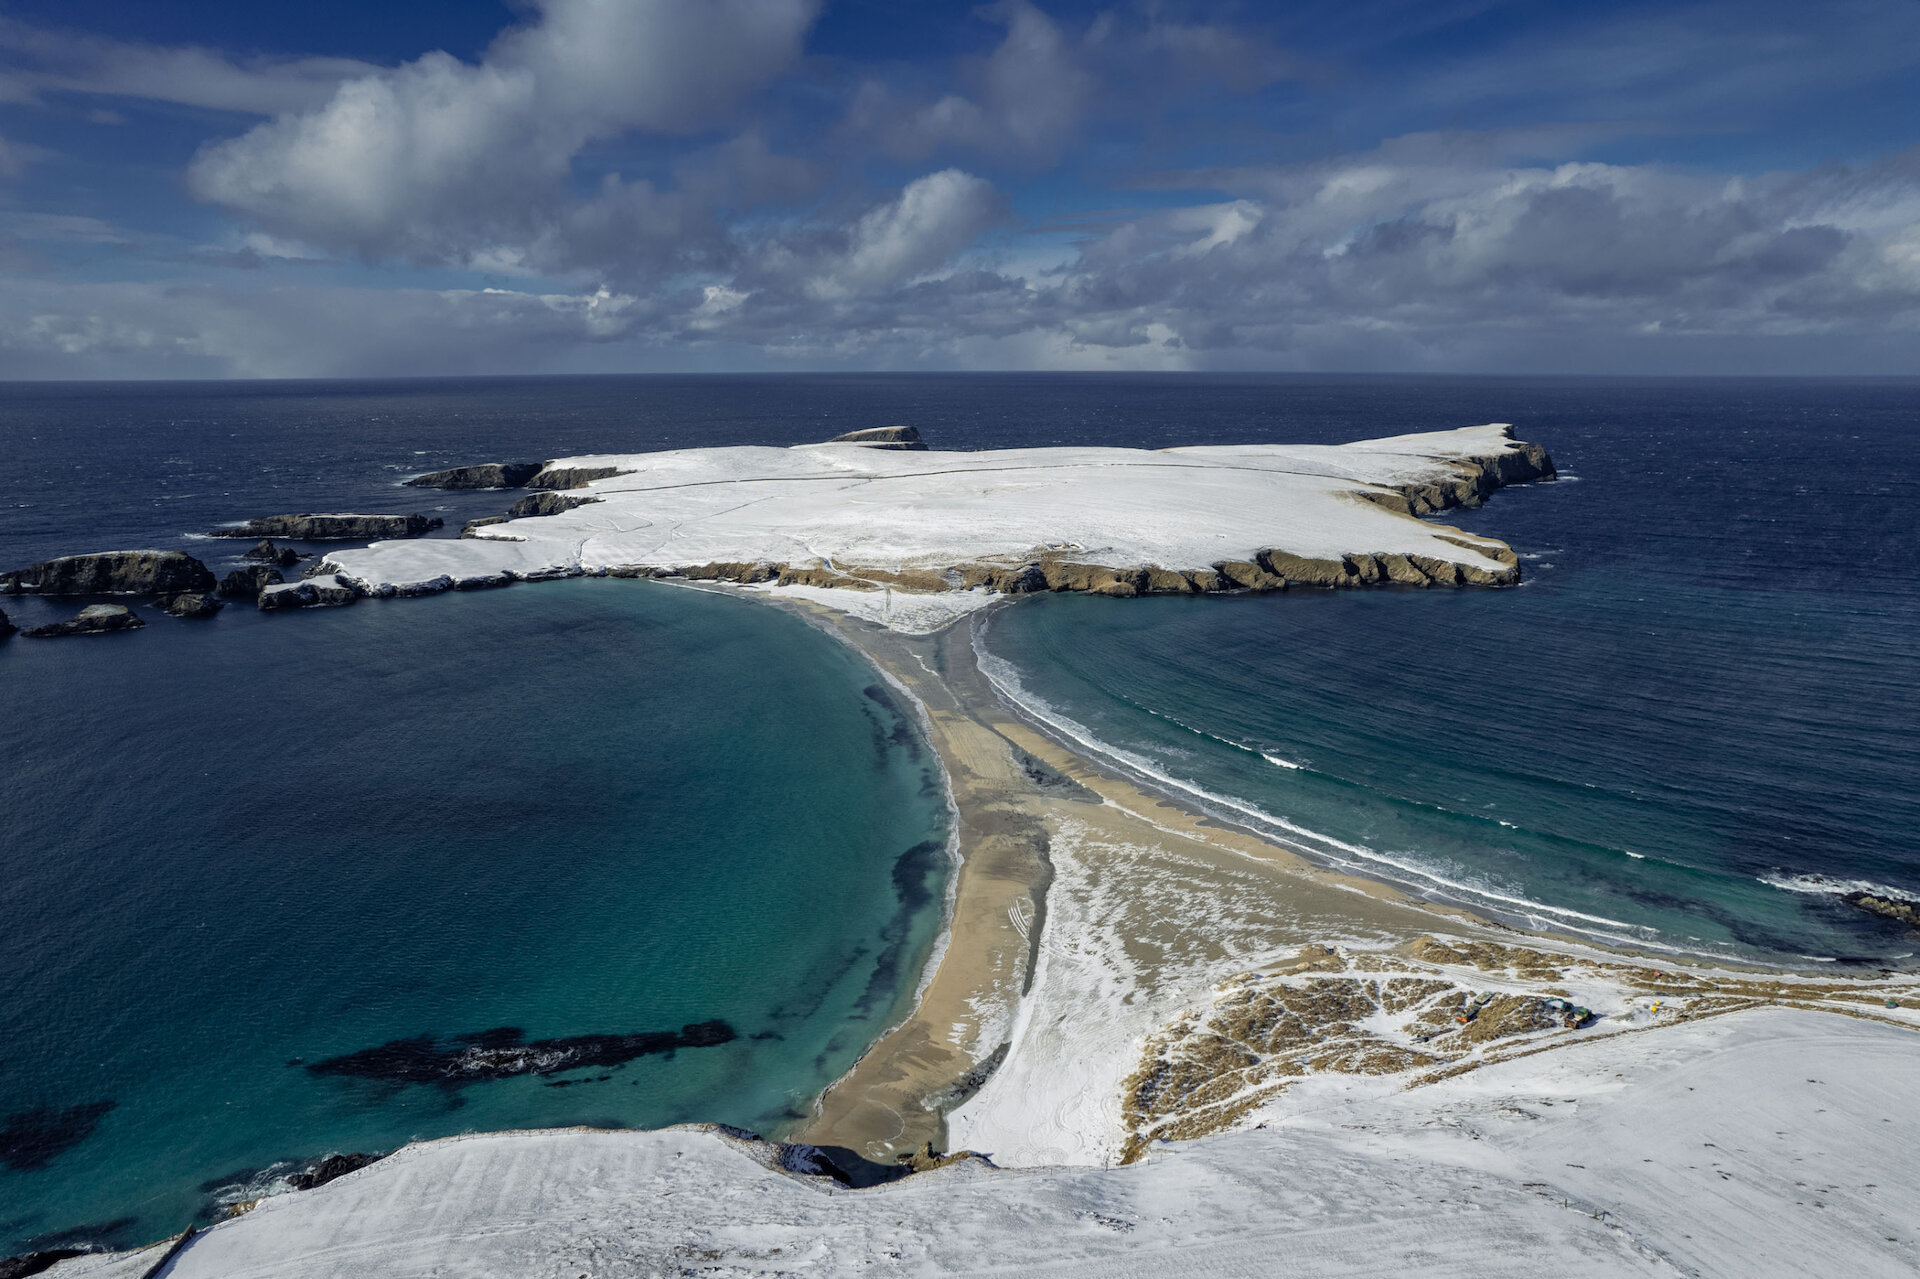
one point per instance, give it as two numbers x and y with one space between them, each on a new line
875 529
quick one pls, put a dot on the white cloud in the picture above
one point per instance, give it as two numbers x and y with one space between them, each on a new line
441 159
933 219
70 62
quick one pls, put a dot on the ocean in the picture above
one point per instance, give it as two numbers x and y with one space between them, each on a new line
263 875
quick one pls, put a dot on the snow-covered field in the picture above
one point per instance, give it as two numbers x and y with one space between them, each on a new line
1769 1142
845 509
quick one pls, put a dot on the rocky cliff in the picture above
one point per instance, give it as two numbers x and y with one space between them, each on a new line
905 438
111 573
572 477
98 619
485 475
333 528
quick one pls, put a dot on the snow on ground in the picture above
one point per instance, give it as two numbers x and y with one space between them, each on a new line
1110 971
845 507
1769 1142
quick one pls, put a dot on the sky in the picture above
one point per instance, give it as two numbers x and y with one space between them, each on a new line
354 188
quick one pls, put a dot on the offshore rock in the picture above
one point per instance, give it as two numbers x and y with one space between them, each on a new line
111 573
6 628
197 604
572 477
247 583
333 528
484 475
97 619
901 438
266 552
543 504
325 591
1887 906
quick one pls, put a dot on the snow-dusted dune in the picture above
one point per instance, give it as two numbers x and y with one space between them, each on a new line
1771 1142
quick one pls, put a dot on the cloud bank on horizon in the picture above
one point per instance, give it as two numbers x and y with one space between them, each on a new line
638 185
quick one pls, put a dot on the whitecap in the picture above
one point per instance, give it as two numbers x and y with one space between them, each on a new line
1827 886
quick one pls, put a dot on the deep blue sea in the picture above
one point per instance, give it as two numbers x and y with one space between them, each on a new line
232 851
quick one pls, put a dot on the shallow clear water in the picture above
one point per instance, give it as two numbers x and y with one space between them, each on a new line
616 807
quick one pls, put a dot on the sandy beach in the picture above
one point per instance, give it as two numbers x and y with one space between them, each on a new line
1106 948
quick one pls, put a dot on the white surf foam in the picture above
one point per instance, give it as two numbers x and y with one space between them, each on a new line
1826 886
1424 878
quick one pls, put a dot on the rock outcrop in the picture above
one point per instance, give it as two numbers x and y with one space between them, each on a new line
324 591
572 477
1475 480
111 573
483 475
267 553
334 528
545 504
1886 906
901 438
331 1168
469 529
98 619
247 583
6 628
195 604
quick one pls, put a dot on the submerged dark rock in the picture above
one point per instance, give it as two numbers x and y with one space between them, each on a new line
545 504
484 475
6 628
330 1168
265 551
247 583
504 1052
333 528
900 438
34 1138
98 619
111 573
197 604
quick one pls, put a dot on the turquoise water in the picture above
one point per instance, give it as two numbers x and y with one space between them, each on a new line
239 848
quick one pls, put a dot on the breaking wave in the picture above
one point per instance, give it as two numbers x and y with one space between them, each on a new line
1401 868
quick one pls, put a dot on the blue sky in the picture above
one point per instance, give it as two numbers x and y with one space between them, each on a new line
218 188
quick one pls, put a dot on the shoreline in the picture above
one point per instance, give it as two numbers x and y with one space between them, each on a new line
965 1063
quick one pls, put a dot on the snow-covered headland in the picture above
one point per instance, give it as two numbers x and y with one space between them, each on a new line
866 528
